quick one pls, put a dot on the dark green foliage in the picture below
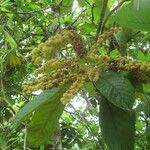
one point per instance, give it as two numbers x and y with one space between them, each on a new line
117 125
117 89
147 105
26 23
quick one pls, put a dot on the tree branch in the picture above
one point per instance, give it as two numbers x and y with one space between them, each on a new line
110 13
92 11
102 15
29 12
78 17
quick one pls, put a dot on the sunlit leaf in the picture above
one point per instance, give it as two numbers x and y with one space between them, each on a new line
135 15
33 105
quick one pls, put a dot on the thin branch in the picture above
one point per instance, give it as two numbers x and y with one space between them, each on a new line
29 35
102 15
25 139
86 124
110 13
78 17
88 2
92 11
7 147
57 27
2 89
130 38
29 12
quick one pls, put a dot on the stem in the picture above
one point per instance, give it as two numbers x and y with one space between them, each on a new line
102 15
29 12
25 139
78 17
110 13
3 91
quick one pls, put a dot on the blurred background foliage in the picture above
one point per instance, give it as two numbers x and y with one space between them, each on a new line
26 23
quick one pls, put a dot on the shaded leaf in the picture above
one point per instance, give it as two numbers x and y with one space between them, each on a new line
117 125
122 42
11 41
148 137
147 106
117 89
66 6
13 59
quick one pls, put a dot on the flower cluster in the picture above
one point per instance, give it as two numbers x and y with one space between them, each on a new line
78 44
48 49
102 38
56 43
74 70
59 72
125 64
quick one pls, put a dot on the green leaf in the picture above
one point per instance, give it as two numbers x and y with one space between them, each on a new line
122 41
97 9
33 105
148 136
11 41
117 125
135 15
147 106
89 87
114 53
66 6
148 57
2 51
87 28
1 60
140 56
44 121
116 88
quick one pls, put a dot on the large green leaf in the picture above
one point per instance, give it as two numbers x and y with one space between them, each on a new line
11 41
66 6
147 106
89 87
148 137
135 15
97 8
122 42
116 88
117 125
33 105
44 121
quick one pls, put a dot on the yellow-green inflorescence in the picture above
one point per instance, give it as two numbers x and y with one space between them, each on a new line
102 38
74 70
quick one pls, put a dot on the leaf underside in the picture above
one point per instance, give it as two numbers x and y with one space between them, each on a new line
135 15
